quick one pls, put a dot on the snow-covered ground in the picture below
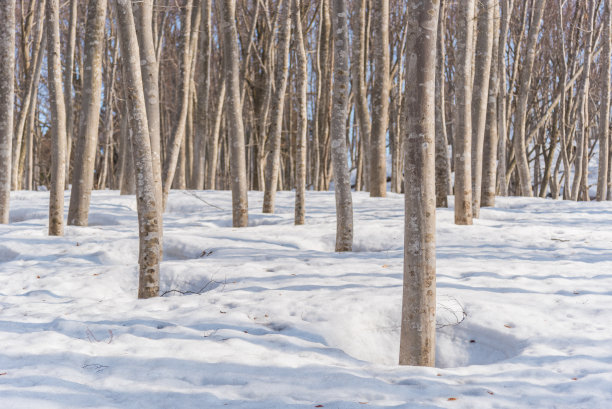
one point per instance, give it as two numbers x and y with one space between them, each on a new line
281 321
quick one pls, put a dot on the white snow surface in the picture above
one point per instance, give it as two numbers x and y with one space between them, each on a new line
282 321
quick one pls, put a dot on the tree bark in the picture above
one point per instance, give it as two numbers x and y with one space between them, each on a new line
58 121
68 81
87 143
482 72
604 108
149 223
7 95
277 108
380 100
463 134
234 115
442 168
202 132
302 119
418 329
342 182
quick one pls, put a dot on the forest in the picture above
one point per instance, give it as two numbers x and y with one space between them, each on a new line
187 150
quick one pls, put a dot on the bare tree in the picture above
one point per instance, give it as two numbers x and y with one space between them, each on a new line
7 95
58 121
342 183
442 164
149 223
380 100
302 120
604 108
463 92
417 342
87 143
277 107
234 115
68 80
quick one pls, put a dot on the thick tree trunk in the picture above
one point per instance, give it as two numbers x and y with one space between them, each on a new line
518 141
234 115
604 108
418 329
380 100
7 91
58 121
277 109
87 143
463 134
149 222
342 182
482 71
302 118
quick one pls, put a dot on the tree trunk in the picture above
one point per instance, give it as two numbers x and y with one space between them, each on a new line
202 121
7 91
87 143
231 67
482 72
212 150
58 121
518 141
418 329
149 223
302 119
442 168
463 134
380 100
277 108
604 108
342 182
68 81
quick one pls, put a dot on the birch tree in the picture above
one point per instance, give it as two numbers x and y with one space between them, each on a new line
302 120
87 143
342 183
231 67
58 121
7 95
417 342
604 108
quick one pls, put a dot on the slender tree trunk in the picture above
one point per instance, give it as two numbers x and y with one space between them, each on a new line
506 9
212 150
149 223
150 78
463 134
202 121
342 182
418 329
87 143
68 81
380 100
302 119
178 133
520 149
491 140
277 108
234 115
7 95
58 121
604 108
442 168
482 72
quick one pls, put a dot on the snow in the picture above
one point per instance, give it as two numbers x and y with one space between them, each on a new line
281 321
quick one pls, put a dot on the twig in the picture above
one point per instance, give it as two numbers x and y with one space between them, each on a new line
193 194
198 292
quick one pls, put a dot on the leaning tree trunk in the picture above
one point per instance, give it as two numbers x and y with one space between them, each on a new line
518 142
380 100
149 223
418 329
482 67
231 65
277 108
7 90
604 112
342 182
302 119
463 134
87 143
58 121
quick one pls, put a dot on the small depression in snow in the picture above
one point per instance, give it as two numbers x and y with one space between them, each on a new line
465 345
